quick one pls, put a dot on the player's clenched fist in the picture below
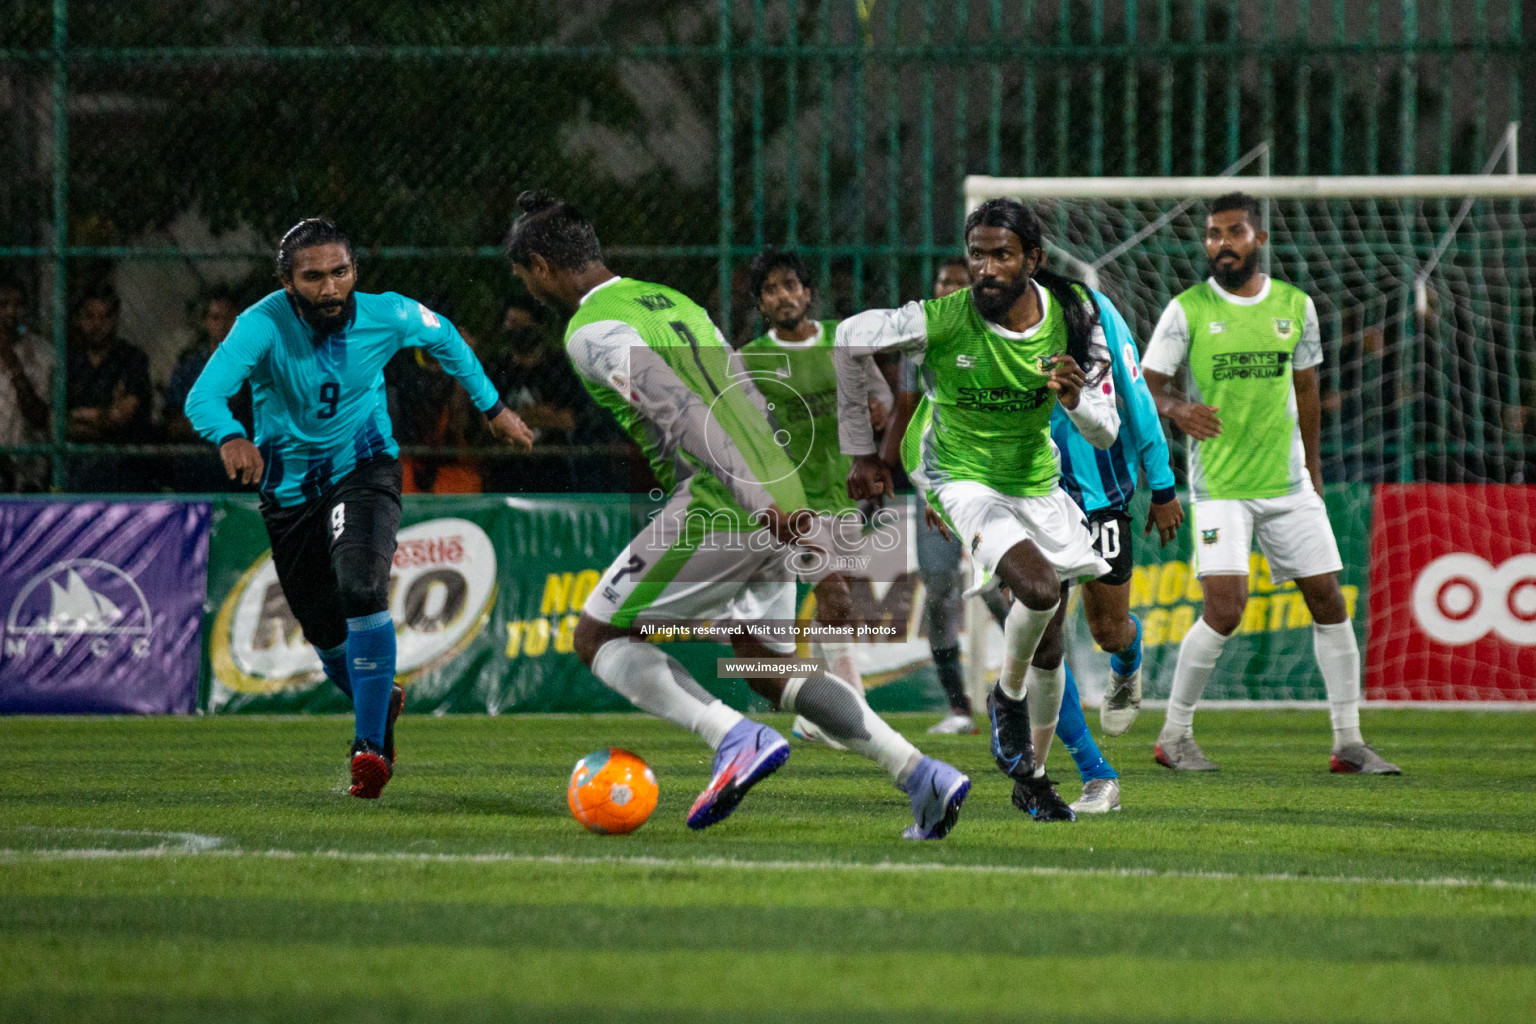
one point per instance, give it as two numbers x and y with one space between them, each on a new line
242 461
1067 380
868 477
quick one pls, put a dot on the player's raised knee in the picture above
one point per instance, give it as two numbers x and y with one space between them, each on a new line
363 594
590 636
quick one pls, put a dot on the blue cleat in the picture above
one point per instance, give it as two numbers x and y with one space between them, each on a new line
937 791
749 754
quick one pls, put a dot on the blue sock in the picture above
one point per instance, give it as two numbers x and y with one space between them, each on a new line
334 661
1072 729
1129 660
371 666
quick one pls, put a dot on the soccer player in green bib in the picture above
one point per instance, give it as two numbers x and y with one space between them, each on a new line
994 359
796 355
728 545
1252 346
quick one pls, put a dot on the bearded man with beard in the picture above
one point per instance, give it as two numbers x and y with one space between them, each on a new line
993 361
326 461
1253 346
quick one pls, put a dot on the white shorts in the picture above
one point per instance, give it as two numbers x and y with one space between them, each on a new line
1293 531
988 523
671 575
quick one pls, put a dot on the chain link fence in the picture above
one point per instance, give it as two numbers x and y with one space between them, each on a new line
159 149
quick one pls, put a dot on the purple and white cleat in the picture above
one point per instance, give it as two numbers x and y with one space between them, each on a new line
749 754
937 791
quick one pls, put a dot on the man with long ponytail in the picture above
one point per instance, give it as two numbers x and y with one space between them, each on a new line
994 361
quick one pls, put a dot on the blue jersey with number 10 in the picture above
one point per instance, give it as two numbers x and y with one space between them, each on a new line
319 403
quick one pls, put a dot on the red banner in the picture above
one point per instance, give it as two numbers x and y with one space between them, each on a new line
1453 593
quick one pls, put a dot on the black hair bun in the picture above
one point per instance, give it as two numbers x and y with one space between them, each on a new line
532 202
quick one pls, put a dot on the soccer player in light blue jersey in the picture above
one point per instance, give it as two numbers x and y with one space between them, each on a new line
1101 481
326 461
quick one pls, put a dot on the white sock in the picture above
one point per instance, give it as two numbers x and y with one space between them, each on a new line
1021 635
654 681
1338 656
1044 688
1043 691
1197 659
840 710
841 662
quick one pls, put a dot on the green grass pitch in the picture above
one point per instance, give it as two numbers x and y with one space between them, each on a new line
214 869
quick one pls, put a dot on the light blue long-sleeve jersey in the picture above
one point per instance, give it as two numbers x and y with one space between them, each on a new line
319 403
1106 478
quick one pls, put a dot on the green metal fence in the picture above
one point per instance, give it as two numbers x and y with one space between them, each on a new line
186 135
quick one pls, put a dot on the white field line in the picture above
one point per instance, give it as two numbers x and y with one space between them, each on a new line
165 851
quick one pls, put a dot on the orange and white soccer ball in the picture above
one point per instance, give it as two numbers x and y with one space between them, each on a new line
611 791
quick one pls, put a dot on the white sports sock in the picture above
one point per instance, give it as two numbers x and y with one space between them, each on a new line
654 681
1021 635
841 661
1197 659
1338 656
1043 690
840 710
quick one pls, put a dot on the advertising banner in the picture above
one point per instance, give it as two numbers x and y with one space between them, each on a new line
1454 574
444 595
486 593
103 605
1270 655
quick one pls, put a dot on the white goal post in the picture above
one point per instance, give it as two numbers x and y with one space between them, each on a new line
1426 292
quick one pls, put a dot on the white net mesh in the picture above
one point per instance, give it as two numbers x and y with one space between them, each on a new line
1429 375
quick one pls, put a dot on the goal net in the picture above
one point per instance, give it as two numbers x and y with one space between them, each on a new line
1424 291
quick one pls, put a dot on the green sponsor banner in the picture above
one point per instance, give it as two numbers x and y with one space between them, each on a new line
1270 655
485 593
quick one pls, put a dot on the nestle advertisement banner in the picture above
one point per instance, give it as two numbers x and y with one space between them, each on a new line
1454 578
103 605
444 594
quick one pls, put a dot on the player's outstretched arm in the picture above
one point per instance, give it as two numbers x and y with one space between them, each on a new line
858 339
729 434
438 336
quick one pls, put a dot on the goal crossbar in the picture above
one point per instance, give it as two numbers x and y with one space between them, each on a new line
979 188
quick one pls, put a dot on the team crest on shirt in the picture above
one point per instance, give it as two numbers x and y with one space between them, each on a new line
1209 536
1284 326
976 542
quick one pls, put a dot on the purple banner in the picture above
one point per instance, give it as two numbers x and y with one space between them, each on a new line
103 606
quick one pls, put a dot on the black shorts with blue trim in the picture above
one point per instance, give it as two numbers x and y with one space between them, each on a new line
348 533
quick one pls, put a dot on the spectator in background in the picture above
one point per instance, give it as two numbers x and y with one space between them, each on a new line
203 471
108 392
428 407
26 373
537 382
